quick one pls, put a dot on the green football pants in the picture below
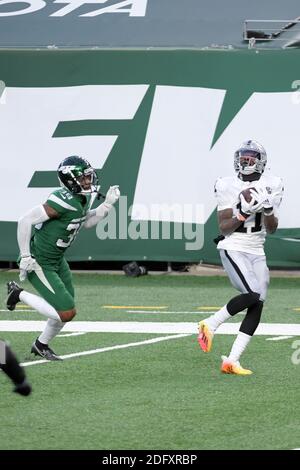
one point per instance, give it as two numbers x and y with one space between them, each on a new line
54 286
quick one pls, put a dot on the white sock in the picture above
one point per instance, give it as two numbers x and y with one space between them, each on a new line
52 328
39 304
239 346
218 318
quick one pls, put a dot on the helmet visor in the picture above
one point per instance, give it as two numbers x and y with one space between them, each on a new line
87 180
248 158
249 153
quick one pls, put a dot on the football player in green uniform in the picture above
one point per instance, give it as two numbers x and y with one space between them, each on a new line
56 224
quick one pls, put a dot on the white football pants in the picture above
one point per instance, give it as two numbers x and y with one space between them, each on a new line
247 272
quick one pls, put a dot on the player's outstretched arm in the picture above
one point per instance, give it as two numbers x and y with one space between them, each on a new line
95 215
35 216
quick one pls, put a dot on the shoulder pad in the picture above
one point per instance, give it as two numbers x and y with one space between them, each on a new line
275 182
61 200
223 183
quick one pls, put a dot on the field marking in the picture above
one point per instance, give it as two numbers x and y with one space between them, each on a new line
168 311
128 311
165 311
122 307
109 348
279 338
266 329
77 333
18 310
209 308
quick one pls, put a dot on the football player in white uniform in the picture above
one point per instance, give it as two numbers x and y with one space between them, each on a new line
244 224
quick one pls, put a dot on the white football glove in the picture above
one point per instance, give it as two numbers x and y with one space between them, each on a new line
112 195
266 200
246 207
27 264
258 196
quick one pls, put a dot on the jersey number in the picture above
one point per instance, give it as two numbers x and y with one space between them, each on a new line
254 227
73 229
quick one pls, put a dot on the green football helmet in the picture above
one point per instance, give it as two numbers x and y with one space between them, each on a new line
70 172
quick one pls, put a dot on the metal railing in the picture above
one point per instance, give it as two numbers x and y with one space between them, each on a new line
287 32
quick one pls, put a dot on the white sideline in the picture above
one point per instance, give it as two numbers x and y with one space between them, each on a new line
267 329
109 348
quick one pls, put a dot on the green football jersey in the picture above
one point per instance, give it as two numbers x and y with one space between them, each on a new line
53 237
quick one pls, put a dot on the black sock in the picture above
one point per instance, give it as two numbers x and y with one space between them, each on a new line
24 388
39 344
252 318
242 301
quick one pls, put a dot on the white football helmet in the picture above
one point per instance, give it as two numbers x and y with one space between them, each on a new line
250 158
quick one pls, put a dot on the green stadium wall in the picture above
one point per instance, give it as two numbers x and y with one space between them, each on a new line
163 124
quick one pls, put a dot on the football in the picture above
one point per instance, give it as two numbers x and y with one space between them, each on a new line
247 194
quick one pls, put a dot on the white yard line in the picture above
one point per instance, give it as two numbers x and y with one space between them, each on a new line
266 329
166 311
109 348
279 338
18 310
77 333
205 312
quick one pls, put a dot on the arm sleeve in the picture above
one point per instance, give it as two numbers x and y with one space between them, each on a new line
94 216
35 216
222 196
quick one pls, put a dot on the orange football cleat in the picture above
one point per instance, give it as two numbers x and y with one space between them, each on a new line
205 336
230 367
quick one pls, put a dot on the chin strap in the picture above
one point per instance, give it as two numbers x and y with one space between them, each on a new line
95 190
100 195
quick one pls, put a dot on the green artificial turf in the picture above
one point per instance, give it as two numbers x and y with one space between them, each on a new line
167 395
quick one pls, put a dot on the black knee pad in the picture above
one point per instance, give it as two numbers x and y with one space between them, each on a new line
252 318
242 301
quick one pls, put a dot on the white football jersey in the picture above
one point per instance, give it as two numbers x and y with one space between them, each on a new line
250 236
